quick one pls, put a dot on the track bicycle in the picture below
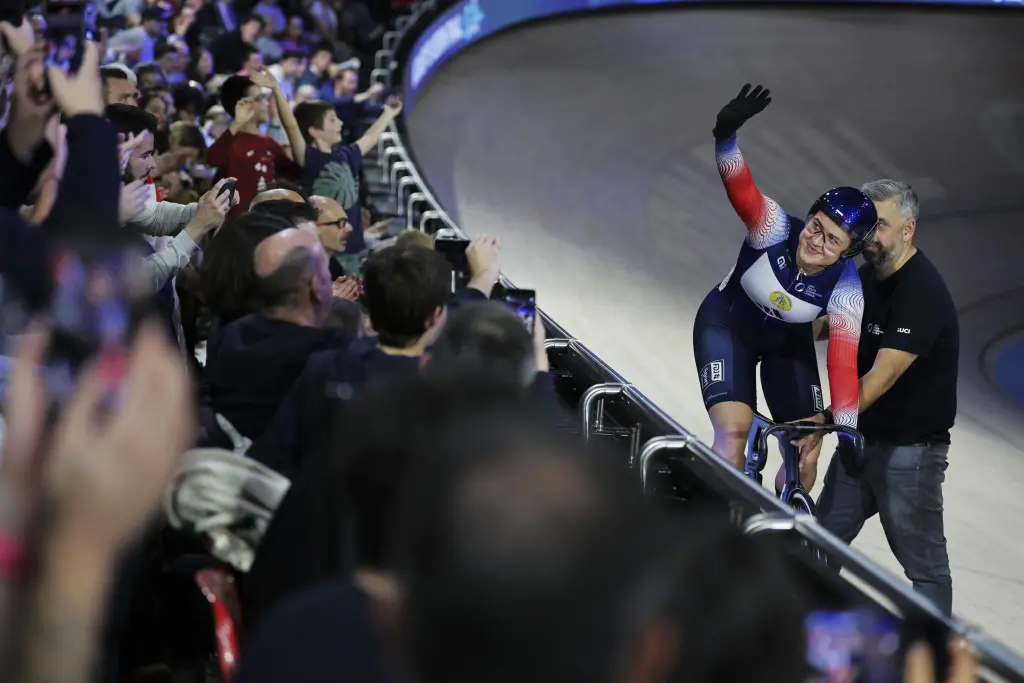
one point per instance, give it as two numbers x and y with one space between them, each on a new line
792 492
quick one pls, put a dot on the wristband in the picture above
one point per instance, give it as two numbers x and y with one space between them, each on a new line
830 419
11 556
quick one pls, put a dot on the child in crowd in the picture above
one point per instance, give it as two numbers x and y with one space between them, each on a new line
332 169
242 151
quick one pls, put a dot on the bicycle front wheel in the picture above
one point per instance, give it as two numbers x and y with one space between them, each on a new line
801 502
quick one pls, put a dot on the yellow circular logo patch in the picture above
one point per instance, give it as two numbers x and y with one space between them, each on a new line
780 300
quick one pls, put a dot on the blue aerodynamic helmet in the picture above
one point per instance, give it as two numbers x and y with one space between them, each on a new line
851 210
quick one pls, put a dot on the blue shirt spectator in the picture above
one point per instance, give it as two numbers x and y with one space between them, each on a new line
137 44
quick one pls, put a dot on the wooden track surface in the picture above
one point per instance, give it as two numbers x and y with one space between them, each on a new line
585 145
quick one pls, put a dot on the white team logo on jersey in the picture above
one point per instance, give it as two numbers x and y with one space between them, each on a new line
761 283
711 373
819 404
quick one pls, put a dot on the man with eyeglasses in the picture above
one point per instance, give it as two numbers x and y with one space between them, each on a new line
333 228
907 362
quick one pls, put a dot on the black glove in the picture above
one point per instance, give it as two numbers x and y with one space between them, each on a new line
851 459
742 107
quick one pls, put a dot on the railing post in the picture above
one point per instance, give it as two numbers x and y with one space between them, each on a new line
397 168
427 216
400 192
634 443
595 393
654 446
414 199
386 138
770 522
382 76
385 163
557 343
381 58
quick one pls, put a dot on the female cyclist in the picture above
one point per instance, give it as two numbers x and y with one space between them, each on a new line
789 272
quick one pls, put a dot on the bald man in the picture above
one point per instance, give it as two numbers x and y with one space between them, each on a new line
293 272
255 360
276 193
333 229
299 214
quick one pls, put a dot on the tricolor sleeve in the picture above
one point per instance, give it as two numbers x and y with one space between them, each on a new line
767 224
845 311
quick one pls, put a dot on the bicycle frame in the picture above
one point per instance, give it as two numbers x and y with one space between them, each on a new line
786 432
756 459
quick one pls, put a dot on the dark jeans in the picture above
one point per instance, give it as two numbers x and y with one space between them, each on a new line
903 484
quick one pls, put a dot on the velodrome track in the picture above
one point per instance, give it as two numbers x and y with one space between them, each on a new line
584 143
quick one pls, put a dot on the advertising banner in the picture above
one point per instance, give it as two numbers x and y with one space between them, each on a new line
468 21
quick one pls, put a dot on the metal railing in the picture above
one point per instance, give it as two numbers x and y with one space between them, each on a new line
998 662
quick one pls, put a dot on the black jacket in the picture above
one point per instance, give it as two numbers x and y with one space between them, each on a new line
253 362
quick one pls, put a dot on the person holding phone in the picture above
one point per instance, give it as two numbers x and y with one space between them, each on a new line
188 223
87 196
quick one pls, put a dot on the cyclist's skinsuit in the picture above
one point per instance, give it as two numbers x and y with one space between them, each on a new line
763 310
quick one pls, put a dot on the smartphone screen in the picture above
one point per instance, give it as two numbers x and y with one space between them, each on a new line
854 646
93 312
455 251
523 302
69 23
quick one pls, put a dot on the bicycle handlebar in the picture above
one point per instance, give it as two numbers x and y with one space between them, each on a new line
805 428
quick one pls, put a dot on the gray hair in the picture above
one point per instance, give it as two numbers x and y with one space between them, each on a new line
898 191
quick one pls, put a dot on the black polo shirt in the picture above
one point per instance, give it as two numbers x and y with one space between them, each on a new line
912 311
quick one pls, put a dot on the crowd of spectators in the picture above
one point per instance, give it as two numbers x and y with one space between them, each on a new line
438 524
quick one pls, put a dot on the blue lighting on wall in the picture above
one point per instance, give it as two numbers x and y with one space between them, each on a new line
468 21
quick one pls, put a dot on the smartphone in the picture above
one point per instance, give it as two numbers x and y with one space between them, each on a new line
854 646
95 307
522 302
455 251
869 645
228 187
69 24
